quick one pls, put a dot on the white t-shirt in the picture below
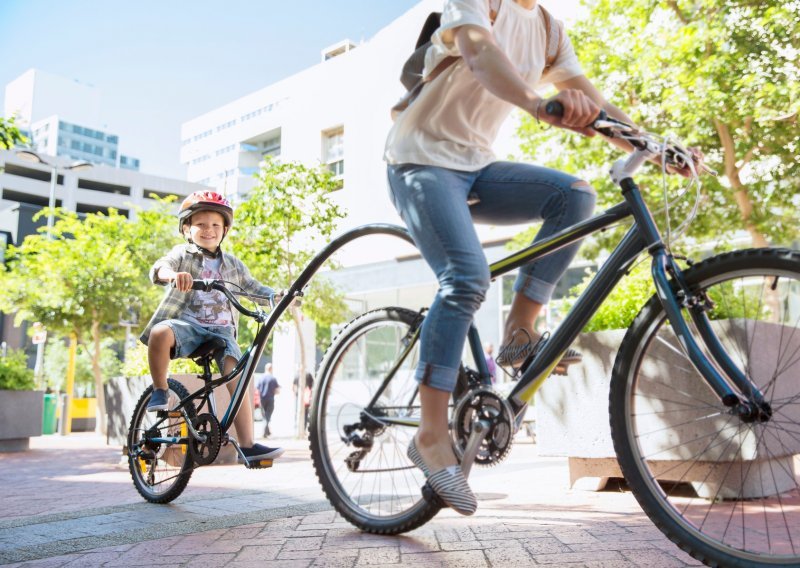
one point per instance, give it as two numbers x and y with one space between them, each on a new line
454 121
209 309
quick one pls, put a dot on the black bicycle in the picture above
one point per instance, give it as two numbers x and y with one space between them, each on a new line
165 447
704 398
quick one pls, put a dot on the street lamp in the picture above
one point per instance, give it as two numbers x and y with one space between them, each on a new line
31 156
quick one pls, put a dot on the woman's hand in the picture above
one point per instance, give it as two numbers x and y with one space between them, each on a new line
182 281
579 111
685 171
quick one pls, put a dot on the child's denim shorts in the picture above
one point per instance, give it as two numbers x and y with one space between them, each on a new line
189 336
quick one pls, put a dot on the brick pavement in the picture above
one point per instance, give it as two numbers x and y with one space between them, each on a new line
70 502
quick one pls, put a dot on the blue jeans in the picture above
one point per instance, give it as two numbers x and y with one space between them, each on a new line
433 203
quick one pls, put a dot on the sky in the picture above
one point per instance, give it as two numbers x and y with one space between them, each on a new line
160 63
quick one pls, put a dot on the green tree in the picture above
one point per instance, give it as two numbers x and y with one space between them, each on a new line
723 75
10 135
82 280
283 223
55 364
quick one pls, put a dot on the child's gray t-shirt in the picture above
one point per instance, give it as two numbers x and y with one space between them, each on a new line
209 309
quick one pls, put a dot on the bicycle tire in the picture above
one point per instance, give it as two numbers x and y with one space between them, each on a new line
172 464
355 488
724 490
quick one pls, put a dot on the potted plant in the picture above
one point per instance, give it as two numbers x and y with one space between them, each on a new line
21 406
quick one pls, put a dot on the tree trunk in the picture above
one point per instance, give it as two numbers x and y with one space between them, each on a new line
301 374
98 379
740 194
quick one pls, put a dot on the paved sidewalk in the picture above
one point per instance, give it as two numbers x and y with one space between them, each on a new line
70 502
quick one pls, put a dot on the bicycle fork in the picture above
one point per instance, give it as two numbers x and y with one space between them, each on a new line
730 384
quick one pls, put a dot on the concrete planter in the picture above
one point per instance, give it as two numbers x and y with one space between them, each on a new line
572 419
20 418
123 393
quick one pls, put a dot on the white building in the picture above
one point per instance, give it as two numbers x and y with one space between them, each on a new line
337 113
87 191
25 190
61 117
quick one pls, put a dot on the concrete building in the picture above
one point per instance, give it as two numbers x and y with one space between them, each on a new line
61 117
25 190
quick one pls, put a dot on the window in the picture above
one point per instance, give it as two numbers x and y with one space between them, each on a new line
272 146
75 145
333 151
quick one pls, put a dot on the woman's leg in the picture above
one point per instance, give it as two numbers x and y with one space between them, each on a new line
512 193
433 203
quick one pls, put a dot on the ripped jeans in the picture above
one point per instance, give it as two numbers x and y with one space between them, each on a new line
432 201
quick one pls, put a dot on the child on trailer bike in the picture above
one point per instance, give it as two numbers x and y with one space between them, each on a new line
186 318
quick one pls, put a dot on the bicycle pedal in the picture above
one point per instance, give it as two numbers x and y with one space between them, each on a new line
174 414
259 464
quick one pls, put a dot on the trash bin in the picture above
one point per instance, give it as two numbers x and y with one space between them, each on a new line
49 414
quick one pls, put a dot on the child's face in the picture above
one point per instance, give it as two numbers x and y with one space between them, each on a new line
206 229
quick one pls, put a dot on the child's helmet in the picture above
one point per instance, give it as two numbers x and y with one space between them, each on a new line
204 201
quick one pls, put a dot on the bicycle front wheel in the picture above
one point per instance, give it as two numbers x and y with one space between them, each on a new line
160 471
361 423
725 489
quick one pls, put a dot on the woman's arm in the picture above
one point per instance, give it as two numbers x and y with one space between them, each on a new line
497 74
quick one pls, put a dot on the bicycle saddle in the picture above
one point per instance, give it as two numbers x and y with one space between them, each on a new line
207 350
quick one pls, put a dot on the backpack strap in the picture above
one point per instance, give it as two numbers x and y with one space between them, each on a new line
553 38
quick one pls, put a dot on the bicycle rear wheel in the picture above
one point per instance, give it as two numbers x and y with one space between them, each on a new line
725 490
160 471
360 427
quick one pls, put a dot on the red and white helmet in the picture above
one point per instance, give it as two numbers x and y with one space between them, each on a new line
205 201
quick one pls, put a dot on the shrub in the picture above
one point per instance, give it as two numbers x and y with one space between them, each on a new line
14 372
620 308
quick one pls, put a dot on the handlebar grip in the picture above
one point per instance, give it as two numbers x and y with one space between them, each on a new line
202 285
554 108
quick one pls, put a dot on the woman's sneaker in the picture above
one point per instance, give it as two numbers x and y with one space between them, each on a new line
259 452
159 400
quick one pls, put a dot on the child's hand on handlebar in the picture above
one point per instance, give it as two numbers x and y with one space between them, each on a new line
579 112
182 281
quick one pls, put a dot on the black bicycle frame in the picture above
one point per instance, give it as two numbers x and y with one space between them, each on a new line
643 235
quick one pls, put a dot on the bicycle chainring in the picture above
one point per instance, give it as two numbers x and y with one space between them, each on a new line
205 452
484 404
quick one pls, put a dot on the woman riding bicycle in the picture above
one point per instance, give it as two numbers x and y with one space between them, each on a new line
439 156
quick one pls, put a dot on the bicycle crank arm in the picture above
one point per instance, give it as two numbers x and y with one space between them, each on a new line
480 429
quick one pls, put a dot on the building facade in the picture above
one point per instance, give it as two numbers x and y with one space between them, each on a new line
25 189
61 117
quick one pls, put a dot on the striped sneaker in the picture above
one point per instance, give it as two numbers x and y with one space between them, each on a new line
452 487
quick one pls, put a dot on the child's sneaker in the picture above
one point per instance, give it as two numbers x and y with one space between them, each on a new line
159 400
259 452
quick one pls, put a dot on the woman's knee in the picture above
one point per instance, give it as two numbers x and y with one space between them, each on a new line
582 197
467 289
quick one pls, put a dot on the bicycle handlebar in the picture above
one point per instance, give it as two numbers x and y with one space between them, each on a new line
208 284
673 153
